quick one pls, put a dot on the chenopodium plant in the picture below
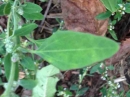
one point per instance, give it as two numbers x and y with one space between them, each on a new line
115 8
64 50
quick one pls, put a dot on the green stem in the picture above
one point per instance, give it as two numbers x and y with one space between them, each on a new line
8 24
11 80
7 92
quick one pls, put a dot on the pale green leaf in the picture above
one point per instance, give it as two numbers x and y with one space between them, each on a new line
46 86
71 50
111 5
25 29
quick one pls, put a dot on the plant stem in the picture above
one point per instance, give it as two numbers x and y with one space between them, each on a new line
10 83
7 92
8 24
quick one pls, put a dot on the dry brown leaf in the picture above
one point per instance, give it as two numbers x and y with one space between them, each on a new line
123 52
79 15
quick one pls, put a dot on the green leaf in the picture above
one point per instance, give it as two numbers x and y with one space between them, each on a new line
113 34
32 11
46 82
28 83
33 16
28 63
110 67
2 9
71 50
104 91
25 29
111 5
31 8
48 71
82 91
103 15
95 68
128 94
7 8
127 6
74 87
16 76
7 65
119 1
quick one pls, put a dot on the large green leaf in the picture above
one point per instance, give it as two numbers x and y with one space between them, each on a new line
47 80
110 4
25 29
71 50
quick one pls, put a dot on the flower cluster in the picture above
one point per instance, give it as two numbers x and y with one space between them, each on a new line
9 44
111 27
15 57
104 75
121 8
112 90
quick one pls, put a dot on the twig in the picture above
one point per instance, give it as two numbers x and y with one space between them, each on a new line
45 14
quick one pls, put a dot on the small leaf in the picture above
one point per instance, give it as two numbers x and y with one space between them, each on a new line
104 91
2 9
28 63
103 15
7 8
71 50
31 8
25 29
74 87
33 16
111 5
32 11
82 91
95 68
127 6
110 67
28 83
46 82
113 34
